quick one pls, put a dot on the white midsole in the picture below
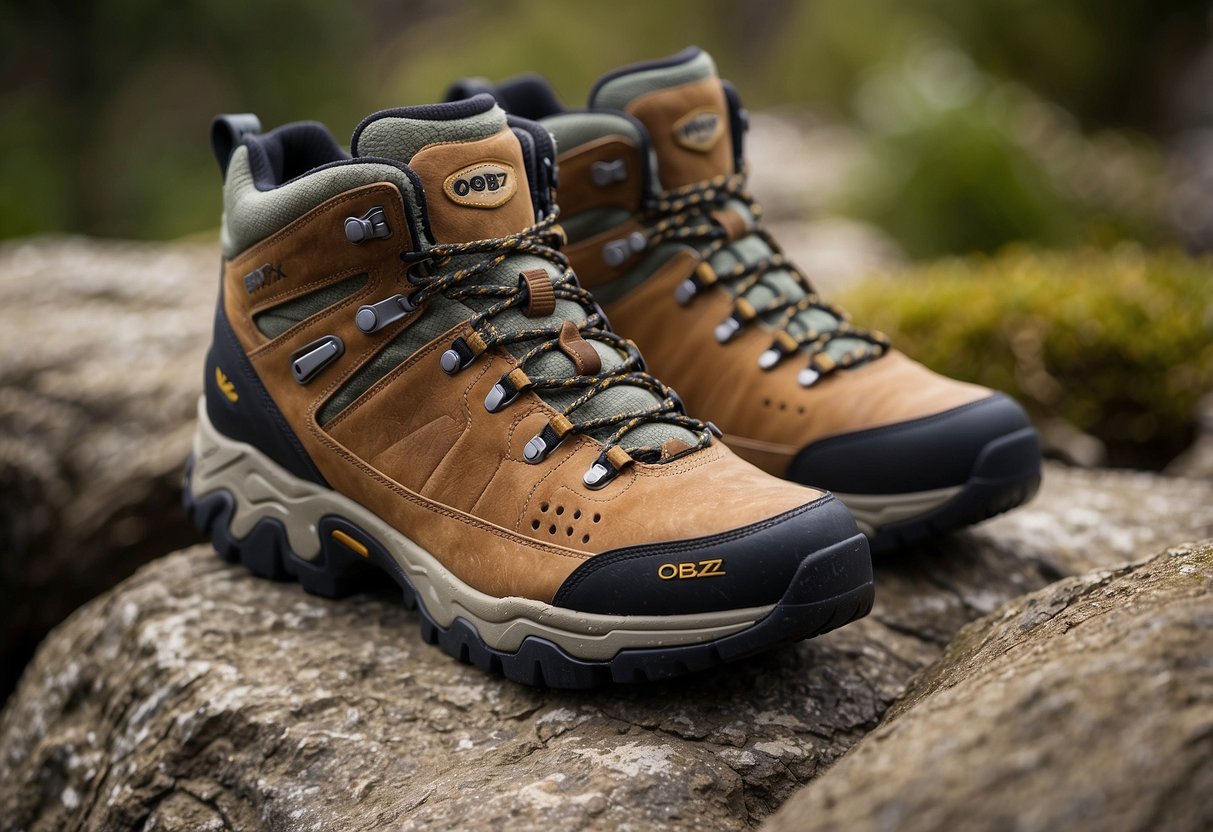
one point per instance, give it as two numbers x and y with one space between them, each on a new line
871 511
264 490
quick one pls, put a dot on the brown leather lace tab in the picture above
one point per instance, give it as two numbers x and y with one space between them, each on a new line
673 447
580 351
733 223
541 297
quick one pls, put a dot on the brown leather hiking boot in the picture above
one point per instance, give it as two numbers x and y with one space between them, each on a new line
661 228
406 376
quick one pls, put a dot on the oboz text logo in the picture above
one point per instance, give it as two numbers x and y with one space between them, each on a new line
691 569
263 276
488 181
482 185
699 129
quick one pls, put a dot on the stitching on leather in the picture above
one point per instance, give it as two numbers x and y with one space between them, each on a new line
343 305
436 508
271 408
617 489
297 225
467 420
271 302
401 368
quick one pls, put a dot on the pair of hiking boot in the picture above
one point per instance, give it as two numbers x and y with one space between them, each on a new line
413 371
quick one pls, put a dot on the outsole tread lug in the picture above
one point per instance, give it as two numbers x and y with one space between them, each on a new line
266 552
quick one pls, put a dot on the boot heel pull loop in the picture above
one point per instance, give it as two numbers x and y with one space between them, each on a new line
227 131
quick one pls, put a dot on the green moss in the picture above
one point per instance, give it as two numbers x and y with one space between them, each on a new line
1119 343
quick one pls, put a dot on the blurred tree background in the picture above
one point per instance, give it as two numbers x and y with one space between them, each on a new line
953 128
981 121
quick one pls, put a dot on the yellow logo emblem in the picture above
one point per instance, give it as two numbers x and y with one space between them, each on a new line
225 385
691 569
482 185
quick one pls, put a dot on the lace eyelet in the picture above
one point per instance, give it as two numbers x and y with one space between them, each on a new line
375 316
501 395
372 225
456 358
600 472
770 358
726 329
542 444
417 273
618 252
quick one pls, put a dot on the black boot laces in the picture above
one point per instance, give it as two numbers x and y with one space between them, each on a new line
685 215
458 282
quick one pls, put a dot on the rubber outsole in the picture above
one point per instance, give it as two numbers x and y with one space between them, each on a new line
1006 475
336 572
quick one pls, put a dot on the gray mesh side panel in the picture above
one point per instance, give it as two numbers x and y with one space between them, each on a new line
443 313
250 215
618 92
573 129
274 322
393 137
593 221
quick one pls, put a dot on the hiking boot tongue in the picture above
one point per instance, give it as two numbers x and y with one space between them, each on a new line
682 104
469 162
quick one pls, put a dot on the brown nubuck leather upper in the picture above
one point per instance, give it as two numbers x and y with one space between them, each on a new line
766 415
419 448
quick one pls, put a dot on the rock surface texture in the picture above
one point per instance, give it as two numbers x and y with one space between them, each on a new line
1087 705
102 346
196 696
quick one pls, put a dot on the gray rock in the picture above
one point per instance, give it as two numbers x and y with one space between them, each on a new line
194 694
1197 460
1088 705
102 346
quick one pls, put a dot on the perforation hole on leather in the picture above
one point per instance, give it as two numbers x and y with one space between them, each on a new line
784 406
567 523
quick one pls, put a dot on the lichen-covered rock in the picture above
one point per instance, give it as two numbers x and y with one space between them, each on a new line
1087 705
196 694
194 683
197 697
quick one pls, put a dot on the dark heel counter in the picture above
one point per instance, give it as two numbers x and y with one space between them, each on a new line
240 407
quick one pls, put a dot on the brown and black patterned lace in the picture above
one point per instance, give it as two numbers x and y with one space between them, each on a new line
543 240
685 215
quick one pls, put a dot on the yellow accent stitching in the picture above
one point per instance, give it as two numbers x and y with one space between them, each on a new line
225 385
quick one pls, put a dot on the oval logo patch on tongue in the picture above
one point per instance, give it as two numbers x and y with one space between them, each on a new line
482 185
699 129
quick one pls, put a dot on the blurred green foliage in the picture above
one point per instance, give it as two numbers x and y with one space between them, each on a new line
958 161
1118 342
104 107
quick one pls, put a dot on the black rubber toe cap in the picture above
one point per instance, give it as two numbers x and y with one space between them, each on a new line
938 451
808 554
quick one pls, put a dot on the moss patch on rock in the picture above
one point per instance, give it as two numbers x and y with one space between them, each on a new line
1119 343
